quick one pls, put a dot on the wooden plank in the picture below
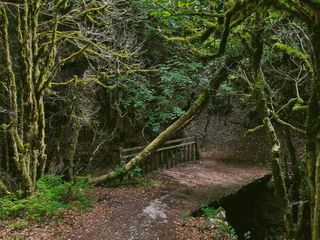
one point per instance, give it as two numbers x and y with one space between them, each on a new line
161 159
157 160
160 149
121 154
197 149
188 153
168 158
125 150
180 155
174 157
179 140
191 152
175 146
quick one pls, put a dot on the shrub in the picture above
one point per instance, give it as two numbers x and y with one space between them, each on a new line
52 198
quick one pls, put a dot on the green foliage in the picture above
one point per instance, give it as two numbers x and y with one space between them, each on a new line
136 176
52 198
247 235
17 238
185 215
225 227
159 100
136 172
19 225
209 212
213 215
146 182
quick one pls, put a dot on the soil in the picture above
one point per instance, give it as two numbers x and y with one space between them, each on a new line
153 212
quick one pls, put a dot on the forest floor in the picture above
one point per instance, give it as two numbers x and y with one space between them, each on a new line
151 212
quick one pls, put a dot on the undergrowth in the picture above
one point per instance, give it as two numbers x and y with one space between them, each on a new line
52 198
136 176
218 216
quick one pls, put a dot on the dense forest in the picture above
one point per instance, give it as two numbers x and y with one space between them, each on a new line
82 79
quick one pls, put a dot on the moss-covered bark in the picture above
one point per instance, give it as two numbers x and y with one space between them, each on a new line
259 91
279 182
3 189
27 84
313 136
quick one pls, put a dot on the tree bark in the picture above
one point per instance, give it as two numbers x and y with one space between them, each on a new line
279 182
259 92
3 189
313 137
295 168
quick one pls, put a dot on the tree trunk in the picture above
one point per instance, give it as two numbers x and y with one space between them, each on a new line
313 137
27 119
259 89
3 189
295 168
279 182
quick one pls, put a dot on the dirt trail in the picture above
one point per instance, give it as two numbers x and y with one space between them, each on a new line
137 213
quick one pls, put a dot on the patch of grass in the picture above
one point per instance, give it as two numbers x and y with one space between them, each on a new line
226 228
52 198
247 235
185 215
136 176
19 225
218 216
146 182
17 238
209 212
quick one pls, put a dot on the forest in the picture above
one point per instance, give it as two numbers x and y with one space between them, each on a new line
160 119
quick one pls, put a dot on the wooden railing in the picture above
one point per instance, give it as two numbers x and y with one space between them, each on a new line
171 153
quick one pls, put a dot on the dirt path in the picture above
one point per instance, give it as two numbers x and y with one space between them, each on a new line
138 213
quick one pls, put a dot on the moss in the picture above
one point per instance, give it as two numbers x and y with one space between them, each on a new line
293 52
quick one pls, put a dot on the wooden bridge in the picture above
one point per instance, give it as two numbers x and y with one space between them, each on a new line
171 153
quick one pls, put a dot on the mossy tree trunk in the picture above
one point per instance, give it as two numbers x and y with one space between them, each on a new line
26 91
279 182
27 85
313 134
38 38
259 88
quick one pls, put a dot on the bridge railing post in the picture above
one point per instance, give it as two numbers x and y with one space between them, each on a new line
197 148
121 154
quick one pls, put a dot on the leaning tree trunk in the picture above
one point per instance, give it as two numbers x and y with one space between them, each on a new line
194 110
186 118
